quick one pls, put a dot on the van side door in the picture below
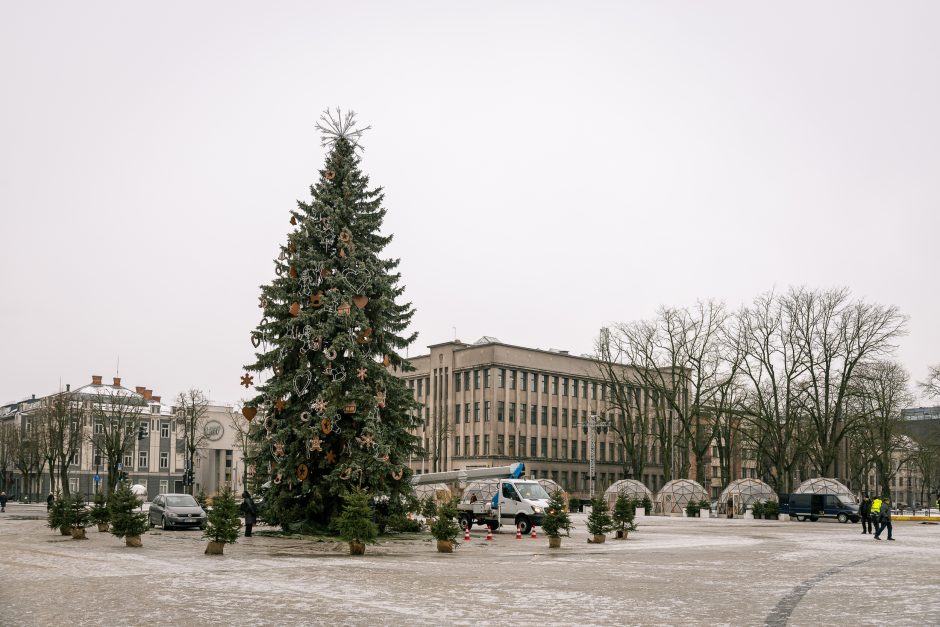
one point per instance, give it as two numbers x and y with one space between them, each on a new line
509 501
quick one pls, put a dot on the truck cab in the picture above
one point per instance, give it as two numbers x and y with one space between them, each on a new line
496 502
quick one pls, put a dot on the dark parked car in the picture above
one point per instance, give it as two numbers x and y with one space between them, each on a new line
815 506
176 510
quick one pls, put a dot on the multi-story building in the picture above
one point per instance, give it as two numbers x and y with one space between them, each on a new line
490 404
155 457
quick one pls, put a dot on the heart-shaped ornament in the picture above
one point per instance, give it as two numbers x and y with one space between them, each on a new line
249 412
356 279
360 301
302 382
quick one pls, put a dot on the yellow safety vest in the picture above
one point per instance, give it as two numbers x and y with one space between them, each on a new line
876 506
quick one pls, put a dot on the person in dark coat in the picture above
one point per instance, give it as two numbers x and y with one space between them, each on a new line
885 519
864 510
250 511
3 501
49 500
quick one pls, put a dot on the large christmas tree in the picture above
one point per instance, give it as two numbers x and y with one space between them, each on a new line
334 415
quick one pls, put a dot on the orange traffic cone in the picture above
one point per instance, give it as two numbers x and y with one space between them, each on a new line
533 533
518 532
489 533
466 534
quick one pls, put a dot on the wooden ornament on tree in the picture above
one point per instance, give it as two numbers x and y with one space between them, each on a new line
360 301
249 412
349 408
302 472
247 380
295 309
343 309
316 300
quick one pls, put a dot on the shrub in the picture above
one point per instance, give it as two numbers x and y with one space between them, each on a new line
771 510
428 507
445 525
58 513
203 499
556 518
403 524
125 522
222 524
599 521
757 508
624 513
99 511
574 505
692 509
647 505
355 522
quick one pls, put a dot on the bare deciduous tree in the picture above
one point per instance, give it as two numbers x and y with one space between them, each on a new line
114 416
191 410
931 385
60 429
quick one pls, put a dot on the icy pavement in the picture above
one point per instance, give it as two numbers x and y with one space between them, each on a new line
671 571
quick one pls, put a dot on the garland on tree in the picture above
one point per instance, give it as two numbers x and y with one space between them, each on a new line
334 415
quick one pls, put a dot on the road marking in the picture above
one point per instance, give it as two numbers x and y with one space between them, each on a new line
781 613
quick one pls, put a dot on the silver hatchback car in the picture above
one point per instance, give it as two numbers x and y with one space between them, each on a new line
176 510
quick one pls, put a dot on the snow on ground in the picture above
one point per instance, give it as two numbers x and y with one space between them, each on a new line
670 571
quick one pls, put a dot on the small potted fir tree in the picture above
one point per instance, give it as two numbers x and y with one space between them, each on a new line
355 523
99 512
77 516
125 521
445 528
58 515
222 524
599 521
556 520
624 514
428 510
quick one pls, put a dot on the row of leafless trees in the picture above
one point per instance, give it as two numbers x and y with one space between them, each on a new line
53 435
798 381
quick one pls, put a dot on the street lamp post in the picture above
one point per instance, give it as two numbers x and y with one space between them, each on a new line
593 425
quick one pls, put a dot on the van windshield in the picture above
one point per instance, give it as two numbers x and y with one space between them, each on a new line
531 491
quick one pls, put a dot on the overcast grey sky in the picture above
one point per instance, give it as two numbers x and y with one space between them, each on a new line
548 167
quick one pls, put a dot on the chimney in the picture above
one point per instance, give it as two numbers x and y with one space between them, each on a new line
68 387
96 379
140 389
155 399
117 382
148 394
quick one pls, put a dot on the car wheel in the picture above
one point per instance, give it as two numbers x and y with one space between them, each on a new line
524 525
843 518
163 524
493 526
801 518
814 518
466 522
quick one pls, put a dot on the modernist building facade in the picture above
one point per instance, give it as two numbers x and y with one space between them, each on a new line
491 404
156 460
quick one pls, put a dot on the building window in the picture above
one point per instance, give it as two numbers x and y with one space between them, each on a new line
584 450
564 417
457 412
512 379
164 460
456 382
476 379
476 445
99 428
142 459
533 415
144 428
466 380
128 461
466 446
715 472
164 486
476 411
420 386
486 378
544 447
500 442
544 384
486 444
554 448
533 447
512 412
554 386
512 446
501 378
593 390
165 430
486 411
545 415
523 379
73 485
554 416
500 410
466 412
457 446
603 450
564 449
564 387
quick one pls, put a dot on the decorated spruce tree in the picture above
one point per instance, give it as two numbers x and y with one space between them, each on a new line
355 522
334 414
125 521
222 524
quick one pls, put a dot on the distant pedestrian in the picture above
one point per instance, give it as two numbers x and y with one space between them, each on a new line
885 517
250 511
864 510
3 501
49 500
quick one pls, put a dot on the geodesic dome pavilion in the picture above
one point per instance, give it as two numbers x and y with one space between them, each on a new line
676 494
631 488
824 485
550 486
743 493
438 491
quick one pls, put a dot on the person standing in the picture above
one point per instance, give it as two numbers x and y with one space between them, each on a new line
49 500
250 511
3 501
884 513
864 510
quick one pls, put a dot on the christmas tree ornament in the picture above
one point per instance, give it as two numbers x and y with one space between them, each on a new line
345 236
302 472
397 474
277 369
247 380
342 253
360 301
302 382
262 302
319 406
347 353
330 354
366 441
316 299
249 412
338 374
293 220
386 361
278 270
256 339
331 457
380 398
278 478
346 472
330 175
305 416
279 404
314 444
291 248
292 273
349 408
361 374
363 336
278 451
343 309
316 343
295 309
356 278
326 426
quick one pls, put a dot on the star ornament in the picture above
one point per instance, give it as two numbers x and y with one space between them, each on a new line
247 380
279 404
361 374
331 457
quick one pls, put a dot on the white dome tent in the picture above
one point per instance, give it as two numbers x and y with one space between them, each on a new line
676 494
438 491
824 485
631 488
743 493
